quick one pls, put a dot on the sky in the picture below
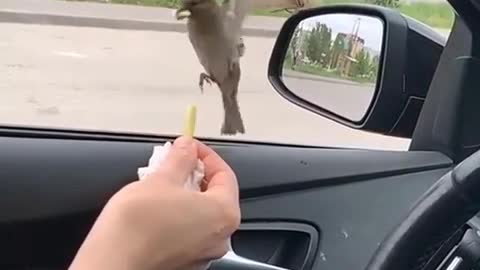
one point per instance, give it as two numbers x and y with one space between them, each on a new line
371 28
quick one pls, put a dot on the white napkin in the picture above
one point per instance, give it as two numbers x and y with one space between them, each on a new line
159 153
193 182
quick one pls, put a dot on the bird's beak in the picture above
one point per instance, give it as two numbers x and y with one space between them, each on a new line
182 13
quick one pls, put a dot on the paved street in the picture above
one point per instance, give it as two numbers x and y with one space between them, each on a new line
142 81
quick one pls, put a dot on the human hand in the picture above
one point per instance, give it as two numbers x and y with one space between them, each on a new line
157 224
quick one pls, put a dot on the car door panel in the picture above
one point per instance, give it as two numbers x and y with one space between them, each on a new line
54 187
352 218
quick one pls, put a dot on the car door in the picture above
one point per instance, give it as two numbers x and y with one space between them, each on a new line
302 207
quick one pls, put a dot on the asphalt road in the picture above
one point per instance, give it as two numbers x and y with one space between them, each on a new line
142 81
331 94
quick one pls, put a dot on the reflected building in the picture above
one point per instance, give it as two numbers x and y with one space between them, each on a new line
345 50
348 47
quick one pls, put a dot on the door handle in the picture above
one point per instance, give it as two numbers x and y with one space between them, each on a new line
232 261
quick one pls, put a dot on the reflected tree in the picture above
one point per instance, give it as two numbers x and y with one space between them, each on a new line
294 47
386 3
319 44
325 45
363 64
373 71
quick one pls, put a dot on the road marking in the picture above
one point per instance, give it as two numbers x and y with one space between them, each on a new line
70 54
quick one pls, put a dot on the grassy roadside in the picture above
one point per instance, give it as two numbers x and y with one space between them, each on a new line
156 3
438 15
328 74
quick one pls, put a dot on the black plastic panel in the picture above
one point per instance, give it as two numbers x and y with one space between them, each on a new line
51 190
41 178
353 218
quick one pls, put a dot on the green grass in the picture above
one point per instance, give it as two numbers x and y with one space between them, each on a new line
325 73
316 71
159 3
438 15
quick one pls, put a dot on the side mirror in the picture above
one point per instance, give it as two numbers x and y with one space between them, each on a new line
364 66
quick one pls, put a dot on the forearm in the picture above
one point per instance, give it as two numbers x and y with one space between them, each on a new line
101 251
114 241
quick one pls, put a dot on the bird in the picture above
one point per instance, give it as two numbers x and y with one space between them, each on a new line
214 30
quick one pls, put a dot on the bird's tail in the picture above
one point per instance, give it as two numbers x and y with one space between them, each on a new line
233 122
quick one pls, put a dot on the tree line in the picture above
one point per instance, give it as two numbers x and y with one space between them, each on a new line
316 51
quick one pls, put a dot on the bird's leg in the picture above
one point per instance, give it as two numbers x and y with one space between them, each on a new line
233 63
204 77
240 47
239 52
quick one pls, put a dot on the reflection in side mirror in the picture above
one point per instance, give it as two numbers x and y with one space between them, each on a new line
333 62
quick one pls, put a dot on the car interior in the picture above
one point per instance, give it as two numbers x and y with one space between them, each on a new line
302 207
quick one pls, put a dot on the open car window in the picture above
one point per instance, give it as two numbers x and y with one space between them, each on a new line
141 80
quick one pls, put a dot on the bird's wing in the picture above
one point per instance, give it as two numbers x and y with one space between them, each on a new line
210 49
198 45
234 14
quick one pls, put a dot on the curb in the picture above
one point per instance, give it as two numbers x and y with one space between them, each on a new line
125 24
325 79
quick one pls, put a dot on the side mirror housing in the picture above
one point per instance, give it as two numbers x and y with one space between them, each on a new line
366 67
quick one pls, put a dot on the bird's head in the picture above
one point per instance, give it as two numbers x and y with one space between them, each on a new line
189 7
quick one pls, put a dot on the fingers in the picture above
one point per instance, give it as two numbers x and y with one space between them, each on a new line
220 178
179 162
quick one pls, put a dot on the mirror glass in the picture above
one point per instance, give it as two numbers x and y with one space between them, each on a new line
333 62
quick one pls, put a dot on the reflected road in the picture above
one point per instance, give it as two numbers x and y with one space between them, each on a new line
348 99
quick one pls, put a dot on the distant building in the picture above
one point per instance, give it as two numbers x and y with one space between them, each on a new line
345 51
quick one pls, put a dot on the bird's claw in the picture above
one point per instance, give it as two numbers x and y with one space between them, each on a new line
241 47
204 78
233 63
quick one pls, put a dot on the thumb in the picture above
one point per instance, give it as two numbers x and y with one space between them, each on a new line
180 161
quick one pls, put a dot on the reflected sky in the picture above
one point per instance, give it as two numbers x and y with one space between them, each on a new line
371 28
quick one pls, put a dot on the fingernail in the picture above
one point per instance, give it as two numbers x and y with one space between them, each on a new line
183 142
